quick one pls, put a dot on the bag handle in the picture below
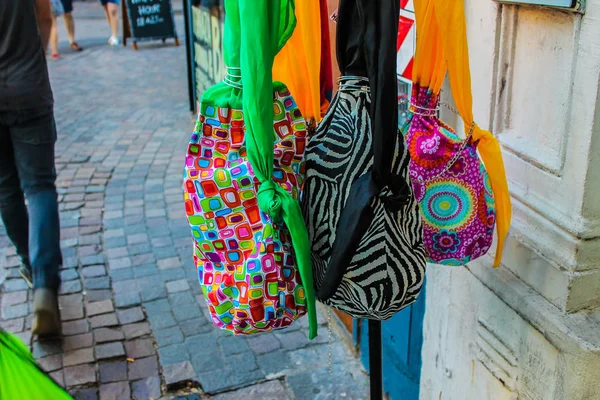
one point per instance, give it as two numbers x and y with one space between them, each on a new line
445 28
255 31
380 32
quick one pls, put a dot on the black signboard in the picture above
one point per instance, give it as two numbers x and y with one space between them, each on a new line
149 20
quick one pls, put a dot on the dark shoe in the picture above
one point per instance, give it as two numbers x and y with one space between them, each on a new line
25 272
46 318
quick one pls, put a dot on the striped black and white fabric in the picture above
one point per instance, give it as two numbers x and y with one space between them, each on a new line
367 246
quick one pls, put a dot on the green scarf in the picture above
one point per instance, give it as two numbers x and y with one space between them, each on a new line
255 31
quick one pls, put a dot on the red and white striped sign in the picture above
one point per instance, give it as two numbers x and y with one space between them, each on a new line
406 39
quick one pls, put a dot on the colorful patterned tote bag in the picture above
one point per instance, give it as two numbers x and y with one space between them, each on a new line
363 222
243 174
460 184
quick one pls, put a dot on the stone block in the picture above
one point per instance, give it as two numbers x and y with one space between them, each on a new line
44 348
127 299
51 363
119 263
168 263
274 363
68 274
130 315
234 345
102 282
94 271
169 336
292 340
70 287
136 330
85 394
178 286
16 311
121 274
104 335
100 307
140 348
80 356
272 390
109 350
265 343
80 375
148 388
13 325
104 320
179 374
98 295
15 285
184 313
143 368
78 341
72 312
173 354
181 299
75 327
115 391
113 371
162 321
219 380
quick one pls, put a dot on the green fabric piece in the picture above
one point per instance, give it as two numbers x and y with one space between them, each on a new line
20 376
255 31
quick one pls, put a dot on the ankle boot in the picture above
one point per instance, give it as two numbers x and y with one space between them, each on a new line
46 319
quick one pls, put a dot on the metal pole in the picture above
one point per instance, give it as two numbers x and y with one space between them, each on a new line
189 43
375 362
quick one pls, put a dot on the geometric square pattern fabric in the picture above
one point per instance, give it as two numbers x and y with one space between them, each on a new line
246 266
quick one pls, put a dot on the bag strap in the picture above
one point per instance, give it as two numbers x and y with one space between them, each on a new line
256 30
380 33
443 23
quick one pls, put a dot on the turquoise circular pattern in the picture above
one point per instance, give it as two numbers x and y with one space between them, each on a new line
448 204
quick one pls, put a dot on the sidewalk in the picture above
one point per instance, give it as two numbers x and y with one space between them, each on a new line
135 322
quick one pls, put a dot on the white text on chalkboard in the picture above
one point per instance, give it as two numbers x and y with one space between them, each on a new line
148 10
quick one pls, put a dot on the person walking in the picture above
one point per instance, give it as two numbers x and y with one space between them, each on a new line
111 8
27 137
69 24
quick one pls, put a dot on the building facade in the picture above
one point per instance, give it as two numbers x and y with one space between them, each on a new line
530 329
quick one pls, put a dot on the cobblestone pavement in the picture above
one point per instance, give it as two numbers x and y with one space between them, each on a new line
134 320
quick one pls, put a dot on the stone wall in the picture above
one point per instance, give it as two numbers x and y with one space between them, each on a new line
531 329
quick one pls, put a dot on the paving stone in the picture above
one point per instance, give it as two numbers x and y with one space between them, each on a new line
145 270
157 307
168 263
102 282
130 315
181 299
274 363
112 233
15 285
265 343
184 313
121 274
105 320
349 382
178 374
142 259
70 300
16 311
70 287
272 390
75 327
139 348
136 330
46 348
99 307
69 274
115 242
169 336
292 340
143 368
59 377
51 363
78 341
98 295
13 325
153 292
88 230
218 380
14 298
234 345
85 394
117 252
80 356
104 335
148 388
109 350
178 286
162 321
93 271
242 362
115 391
89 250
173 354
119 263
139 248
127 299
92 260
137 238
196 326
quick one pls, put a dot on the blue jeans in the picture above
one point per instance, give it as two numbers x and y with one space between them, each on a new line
27 171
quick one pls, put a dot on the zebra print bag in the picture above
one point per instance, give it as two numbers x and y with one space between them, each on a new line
385 265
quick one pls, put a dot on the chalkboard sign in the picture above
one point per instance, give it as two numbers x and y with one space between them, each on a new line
148 20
